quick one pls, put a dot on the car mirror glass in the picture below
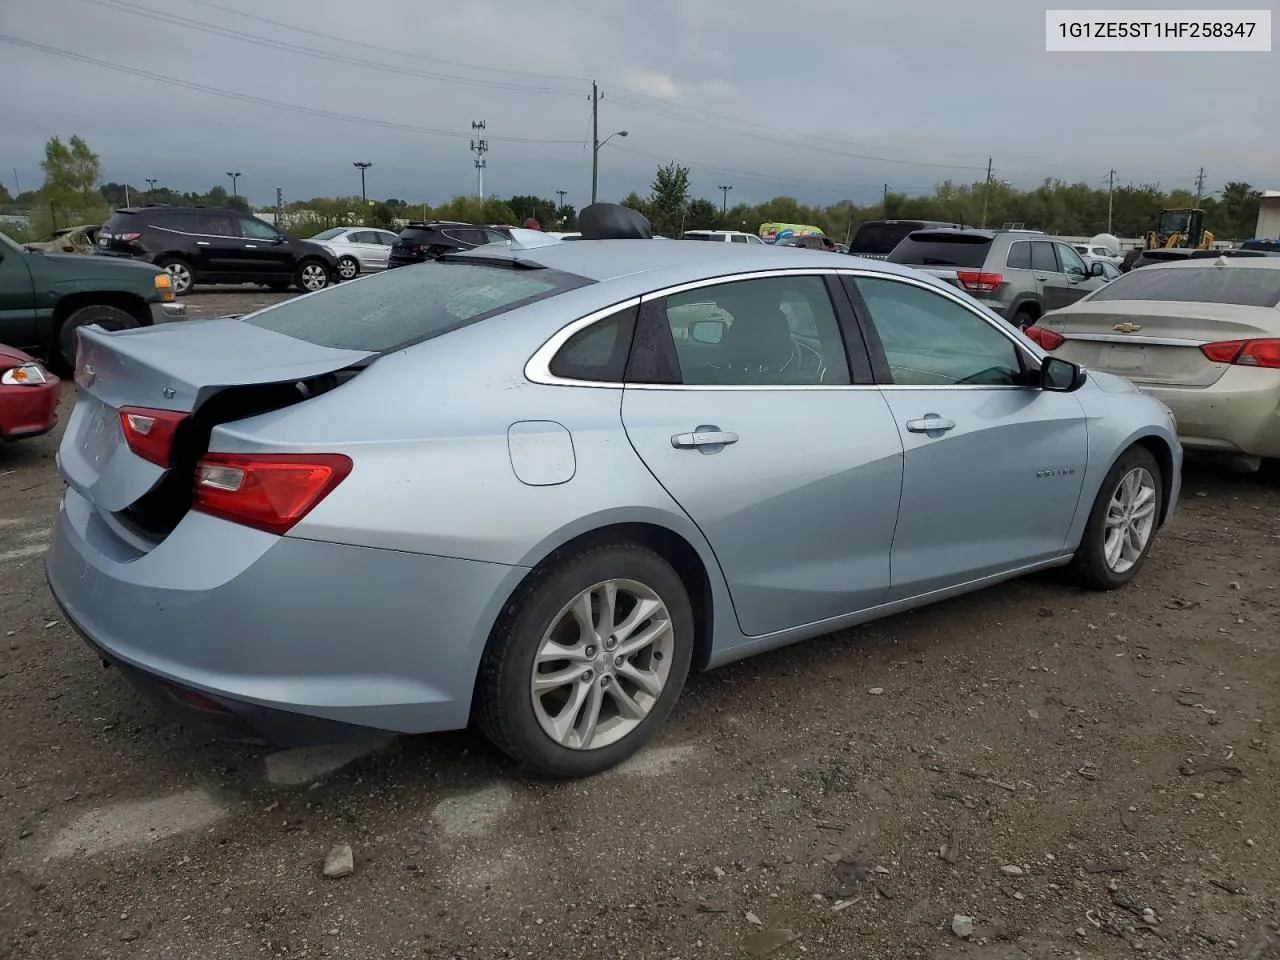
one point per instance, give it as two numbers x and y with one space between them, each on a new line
710 332
1059 376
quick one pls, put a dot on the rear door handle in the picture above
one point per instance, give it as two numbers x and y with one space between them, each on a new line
930 425
703 438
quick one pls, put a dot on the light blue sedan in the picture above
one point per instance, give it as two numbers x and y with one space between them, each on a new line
536 486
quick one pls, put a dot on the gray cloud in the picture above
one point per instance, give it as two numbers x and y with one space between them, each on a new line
818 99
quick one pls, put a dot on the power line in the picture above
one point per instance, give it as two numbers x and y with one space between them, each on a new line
260 101
201 26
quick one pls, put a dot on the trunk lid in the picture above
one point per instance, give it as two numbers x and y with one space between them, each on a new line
1156 343
181 369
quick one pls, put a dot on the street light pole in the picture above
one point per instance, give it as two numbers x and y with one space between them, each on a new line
151 185
596 142
362 165
724 200
234 177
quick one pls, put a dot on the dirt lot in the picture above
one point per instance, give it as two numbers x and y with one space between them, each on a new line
1046 762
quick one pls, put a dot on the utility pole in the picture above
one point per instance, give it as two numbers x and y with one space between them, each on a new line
1199 186
595 139
986 194
17 184
884 203
234 177
479 146
724 199
126 193
1111 187
561 194
362 166
279 224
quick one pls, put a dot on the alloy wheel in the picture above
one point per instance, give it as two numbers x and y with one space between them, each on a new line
348 268
179 276
314 277
1131 519
602 664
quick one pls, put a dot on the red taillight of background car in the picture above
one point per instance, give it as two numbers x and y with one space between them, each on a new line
128 237
1047 339
977 282
266 492
150 433
1245 353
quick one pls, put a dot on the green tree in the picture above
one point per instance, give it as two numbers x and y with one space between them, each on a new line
544 211
669 199
1239 208
702 215
5 196
566 218
69 194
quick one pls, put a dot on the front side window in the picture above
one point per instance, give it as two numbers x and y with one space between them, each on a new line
739 238
252 228
930 340
1072 265
773 331
218 225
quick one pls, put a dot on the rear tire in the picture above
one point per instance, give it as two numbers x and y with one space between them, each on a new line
1123 522
1024 319
312 275
625 669
107 317
180 273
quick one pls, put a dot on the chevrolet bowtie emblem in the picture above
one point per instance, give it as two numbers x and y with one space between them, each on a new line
1127 327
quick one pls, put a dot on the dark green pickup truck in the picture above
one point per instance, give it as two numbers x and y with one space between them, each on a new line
46 297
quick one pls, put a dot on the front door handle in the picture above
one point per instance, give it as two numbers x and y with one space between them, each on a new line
930 425
703 437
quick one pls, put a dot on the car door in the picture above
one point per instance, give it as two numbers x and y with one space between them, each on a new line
374 245
267 256
1051 282
787 460
219 247
993 466
1080 282
17 299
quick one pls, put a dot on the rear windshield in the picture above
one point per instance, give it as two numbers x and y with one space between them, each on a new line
700 236
410 304
119 221
880 238
924 249
1241 286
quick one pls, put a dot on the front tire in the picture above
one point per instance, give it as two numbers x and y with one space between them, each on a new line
107 317
587 661
1123 522
348 268
312 275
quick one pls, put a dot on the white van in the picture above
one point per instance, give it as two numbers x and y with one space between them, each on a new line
723 236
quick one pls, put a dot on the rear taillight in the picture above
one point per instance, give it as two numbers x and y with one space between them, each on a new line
150 433
976 282
1245 353
418 249
128 237
270 493
1047 339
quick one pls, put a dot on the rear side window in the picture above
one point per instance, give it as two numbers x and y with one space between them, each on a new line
402 307
739 238
1019 257
1241 286
880 238
924 249
699 236
598 353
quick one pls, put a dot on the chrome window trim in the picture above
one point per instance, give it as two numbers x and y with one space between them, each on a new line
538 367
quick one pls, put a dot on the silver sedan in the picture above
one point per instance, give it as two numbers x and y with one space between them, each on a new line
358 249
536 487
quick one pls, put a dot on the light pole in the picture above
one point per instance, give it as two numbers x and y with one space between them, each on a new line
724 200
234 177
151 185
595 159
362 165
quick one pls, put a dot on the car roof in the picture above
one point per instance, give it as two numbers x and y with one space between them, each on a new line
1208 263
959 231
604 260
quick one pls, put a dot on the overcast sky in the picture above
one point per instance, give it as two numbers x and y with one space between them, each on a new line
817 99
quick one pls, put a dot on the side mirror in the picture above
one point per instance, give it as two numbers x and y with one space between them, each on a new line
1060 376
709 332
1096 269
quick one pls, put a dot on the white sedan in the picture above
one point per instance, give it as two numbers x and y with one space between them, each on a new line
358 249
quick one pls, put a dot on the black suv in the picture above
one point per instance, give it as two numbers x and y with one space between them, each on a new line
426 240
876 239
216 245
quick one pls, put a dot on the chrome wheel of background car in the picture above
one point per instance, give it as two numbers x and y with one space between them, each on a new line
179 276
348 268
314 277
602 664
1131 519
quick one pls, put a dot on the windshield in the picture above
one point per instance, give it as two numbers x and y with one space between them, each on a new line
8 243
330 233
1240 286
1174 222
401 307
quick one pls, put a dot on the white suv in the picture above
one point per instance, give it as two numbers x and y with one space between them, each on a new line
724 236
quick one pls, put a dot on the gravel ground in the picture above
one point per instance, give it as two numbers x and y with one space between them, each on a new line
1080 775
